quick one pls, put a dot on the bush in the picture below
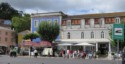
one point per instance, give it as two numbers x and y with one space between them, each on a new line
112 53
98 53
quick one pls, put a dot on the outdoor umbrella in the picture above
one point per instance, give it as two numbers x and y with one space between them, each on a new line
66 44
84 44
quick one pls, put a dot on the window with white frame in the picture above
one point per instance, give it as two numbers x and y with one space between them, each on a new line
92 34
36 23
102 34
117 20
82 35
49 21
69 24
56 21
68 35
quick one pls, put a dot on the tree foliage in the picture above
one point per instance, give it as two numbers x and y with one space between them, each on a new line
48 31
30 36
114 42
7 12
21 23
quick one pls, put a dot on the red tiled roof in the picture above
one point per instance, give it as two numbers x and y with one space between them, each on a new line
97 15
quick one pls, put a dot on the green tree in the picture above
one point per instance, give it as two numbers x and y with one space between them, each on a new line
114 42
30 36
21 23
7 12
48 31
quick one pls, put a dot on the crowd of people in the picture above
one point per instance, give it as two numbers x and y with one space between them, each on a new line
75 54
15 51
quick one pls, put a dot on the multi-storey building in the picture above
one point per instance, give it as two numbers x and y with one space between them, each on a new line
49 17
7 35
90 28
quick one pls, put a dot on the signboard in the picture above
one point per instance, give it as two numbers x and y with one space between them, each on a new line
118 31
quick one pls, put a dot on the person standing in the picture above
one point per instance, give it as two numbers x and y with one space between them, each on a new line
35 53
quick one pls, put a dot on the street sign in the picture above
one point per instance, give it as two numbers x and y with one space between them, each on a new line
118 31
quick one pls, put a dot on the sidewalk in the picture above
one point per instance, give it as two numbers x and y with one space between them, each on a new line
72 58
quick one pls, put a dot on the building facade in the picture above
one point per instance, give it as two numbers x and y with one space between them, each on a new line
87 28
49 17
21 34
90 28
7 37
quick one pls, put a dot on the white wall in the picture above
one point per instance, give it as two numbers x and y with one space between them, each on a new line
76 30
76 34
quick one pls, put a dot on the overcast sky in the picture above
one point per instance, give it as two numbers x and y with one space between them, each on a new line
71 7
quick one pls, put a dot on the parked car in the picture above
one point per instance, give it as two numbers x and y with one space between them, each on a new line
25 52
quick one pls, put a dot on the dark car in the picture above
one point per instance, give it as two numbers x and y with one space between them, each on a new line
25 52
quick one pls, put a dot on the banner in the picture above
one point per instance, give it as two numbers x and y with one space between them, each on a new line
118 31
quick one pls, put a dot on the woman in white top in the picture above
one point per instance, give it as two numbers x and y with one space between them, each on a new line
35 53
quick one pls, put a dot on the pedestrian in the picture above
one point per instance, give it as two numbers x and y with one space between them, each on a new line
35 53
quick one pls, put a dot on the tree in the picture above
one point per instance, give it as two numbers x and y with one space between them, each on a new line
7 12
114 42
21 23
48 31
30 36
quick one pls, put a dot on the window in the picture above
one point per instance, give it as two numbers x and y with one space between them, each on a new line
102 34
36 23
69 23
12 33
64 22
109 20
68 35
6 39
117 20
49 20
75 21
6 33
87 21
92 34
56 21
82 35
96 20
12 40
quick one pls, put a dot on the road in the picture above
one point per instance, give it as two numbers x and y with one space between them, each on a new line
57 60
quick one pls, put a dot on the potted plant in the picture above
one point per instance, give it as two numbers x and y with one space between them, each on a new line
113 55
97 54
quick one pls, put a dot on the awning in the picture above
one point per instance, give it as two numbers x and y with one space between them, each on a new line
45 44
26 43
65 44
84 44
85 40
37 44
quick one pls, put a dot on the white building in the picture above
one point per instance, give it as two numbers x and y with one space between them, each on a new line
90 28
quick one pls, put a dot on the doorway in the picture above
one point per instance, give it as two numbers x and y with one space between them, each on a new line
103 48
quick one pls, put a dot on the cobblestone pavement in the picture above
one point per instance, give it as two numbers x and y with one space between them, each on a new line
53 60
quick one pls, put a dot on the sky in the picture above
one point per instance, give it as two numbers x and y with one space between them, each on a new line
71 7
